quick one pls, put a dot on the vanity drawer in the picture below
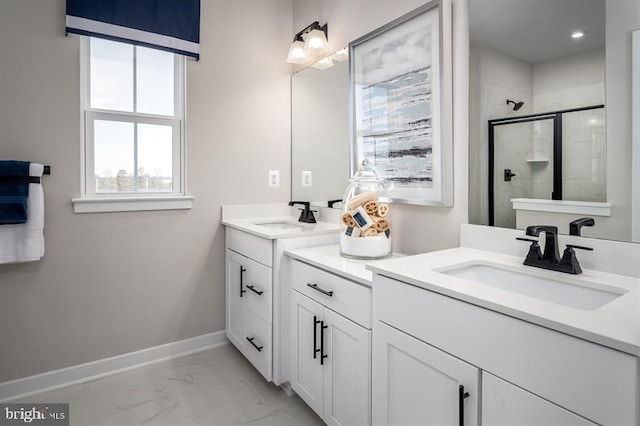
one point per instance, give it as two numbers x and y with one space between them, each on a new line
348 298
591 380
249 245
258 344
255 283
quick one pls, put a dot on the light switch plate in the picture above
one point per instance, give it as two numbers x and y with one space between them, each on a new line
274 178
306 178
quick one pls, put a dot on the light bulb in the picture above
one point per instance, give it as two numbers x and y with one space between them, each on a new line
323 63
297 53
315 42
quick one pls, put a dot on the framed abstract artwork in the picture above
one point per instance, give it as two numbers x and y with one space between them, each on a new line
401 99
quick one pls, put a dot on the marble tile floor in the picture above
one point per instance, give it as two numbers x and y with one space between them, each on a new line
214 387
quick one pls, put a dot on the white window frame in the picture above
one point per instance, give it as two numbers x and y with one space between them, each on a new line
92 202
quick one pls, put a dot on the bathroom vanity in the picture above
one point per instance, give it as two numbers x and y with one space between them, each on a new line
467 335
256 284
460 336
331 321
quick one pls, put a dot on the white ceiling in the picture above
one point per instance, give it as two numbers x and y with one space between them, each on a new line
537 30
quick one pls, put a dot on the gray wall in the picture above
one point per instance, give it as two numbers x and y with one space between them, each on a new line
118 282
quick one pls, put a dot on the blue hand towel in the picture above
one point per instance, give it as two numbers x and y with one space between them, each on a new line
13 196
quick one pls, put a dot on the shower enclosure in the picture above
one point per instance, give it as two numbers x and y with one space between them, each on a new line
559 155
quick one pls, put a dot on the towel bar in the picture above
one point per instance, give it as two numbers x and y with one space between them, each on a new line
24 179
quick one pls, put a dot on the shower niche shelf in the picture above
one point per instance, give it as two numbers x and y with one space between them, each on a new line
537 160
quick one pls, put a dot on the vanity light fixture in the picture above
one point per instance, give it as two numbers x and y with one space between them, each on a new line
341 55
307 43
323 63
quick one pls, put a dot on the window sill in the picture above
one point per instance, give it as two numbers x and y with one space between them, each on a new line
130 204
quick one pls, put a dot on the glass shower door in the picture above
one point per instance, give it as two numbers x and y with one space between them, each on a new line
522 157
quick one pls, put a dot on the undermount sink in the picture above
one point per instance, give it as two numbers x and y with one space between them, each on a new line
280 224
566 290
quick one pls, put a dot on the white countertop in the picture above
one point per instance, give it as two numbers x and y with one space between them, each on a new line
252 226
615 324
329 259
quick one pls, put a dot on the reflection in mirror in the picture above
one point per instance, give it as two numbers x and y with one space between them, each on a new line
525 64
320 133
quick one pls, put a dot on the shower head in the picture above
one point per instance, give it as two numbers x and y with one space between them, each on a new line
516 105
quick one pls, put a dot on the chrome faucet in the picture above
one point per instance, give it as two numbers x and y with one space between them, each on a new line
550 258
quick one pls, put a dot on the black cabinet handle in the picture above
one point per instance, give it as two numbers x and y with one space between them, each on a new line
252 288
321 290
316 321
242 271
322 354
462 395
258 348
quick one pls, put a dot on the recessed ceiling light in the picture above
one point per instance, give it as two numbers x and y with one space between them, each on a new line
578 34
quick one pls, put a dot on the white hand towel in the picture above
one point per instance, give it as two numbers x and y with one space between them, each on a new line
25 242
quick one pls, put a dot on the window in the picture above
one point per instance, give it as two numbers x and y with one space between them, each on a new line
133 126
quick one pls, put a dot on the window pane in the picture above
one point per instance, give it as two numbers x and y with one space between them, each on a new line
155 152
113 156
154 81
111 66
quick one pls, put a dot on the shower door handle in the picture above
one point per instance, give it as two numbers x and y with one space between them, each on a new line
508 175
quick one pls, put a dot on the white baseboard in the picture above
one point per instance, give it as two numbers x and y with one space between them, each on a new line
28 386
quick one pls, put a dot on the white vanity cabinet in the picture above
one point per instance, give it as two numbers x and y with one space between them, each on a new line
257 293
507 404
331 345
249 300
425 344
415 383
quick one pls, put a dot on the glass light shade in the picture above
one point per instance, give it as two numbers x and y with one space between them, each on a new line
341 55
323 63
297 53
316 42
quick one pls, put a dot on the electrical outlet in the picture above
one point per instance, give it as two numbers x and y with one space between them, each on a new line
274 178
306 178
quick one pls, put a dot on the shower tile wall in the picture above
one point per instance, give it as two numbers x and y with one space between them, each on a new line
584 156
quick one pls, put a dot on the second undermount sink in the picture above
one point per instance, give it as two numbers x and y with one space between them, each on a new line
563 290
280 224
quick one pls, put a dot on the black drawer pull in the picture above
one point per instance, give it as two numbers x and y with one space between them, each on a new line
316 321
258 348
321 290
462 395
252 288
322 354
242 271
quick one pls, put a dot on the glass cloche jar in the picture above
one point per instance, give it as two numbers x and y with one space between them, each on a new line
365 229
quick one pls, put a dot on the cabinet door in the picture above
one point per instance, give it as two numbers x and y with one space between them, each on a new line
347 371
415 383
236 315
509 405
307 372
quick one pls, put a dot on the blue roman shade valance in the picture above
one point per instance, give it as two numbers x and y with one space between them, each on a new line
172 25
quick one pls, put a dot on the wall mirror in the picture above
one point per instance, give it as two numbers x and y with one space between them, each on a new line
320 133
537 112
483 14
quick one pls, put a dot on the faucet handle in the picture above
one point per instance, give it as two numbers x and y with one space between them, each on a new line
531 240
534 254
579 247
569 262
